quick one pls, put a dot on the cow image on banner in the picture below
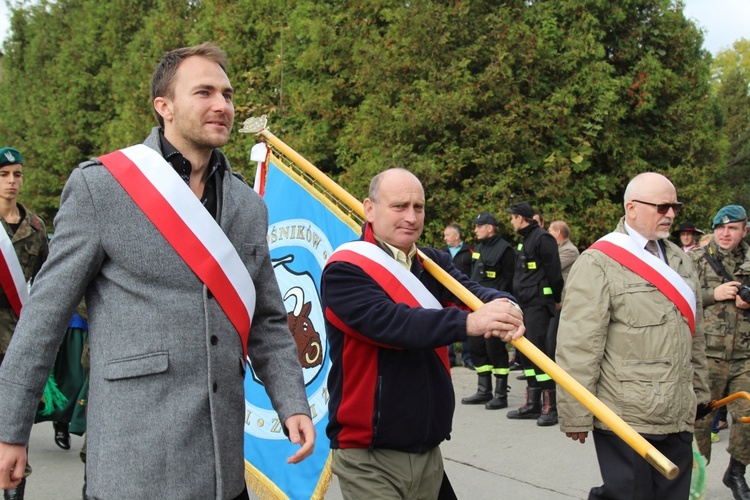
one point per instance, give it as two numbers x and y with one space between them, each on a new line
304 229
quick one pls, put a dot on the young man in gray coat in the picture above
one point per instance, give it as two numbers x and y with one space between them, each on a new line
166 408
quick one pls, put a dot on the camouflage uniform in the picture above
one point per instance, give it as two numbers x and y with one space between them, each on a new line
727 331
30 244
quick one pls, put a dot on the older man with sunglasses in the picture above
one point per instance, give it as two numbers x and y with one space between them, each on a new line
631 332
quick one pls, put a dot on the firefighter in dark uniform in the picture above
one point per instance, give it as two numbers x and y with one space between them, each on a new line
492 266
537 286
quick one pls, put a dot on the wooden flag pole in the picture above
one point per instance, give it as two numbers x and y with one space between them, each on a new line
729 399
594 405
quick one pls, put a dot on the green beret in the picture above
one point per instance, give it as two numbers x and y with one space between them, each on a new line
730 213
9 156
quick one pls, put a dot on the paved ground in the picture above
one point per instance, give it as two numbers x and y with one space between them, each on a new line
488 457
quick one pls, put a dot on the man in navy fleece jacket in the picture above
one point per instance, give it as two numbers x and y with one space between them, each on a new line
388 324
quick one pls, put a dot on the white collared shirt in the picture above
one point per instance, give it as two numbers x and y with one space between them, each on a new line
642 240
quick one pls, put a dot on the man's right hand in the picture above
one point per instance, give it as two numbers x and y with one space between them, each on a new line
12 465
578 436
726 291
499 318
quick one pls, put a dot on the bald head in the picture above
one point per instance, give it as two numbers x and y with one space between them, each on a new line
646 184
646 196
560 230
392 175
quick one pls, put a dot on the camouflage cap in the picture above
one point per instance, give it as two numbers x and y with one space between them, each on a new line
10 156
730 213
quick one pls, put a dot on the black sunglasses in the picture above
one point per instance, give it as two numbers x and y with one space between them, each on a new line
663 208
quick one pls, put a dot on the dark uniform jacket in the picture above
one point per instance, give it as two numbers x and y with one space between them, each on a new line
493 263
538 277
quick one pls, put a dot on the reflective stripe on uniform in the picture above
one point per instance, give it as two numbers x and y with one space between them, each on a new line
483 369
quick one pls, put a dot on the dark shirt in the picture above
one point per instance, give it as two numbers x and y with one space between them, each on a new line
14 226
183 167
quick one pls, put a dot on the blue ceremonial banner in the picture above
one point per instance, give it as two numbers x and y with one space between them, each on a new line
304 229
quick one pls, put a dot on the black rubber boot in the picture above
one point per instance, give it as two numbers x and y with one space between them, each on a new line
17 492
532 409
500 400
734 479
549 408
484 390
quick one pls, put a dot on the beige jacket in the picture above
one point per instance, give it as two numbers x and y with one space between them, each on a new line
568 254
629 345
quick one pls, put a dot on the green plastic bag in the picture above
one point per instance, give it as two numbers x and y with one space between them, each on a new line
698 479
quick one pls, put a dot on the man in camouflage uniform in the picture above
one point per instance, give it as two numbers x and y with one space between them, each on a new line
723 267
28 234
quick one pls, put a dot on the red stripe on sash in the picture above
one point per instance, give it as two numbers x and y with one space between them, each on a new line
184 241
9 286
648 273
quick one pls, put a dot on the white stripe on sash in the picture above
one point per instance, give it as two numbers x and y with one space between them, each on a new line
407 279
14 268
195 216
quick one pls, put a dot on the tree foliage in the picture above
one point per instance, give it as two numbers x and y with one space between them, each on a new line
731 71
487 102
729 60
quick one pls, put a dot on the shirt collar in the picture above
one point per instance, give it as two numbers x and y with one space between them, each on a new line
401 257
641 240
181 164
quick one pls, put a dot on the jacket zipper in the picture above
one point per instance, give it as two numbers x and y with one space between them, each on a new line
376 417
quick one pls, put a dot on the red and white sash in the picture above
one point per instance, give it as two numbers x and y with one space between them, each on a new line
188 227
622 248
401 285
11 275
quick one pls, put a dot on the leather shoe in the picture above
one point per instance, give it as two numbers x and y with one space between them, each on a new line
734 479
515 366
62 436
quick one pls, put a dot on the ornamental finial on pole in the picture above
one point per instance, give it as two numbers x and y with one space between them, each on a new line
254 125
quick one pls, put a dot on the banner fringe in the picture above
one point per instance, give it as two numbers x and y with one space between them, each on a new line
324 481
263 487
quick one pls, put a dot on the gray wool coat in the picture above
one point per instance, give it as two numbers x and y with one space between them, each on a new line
166 397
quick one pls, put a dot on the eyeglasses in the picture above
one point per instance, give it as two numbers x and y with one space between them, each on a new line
663 208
